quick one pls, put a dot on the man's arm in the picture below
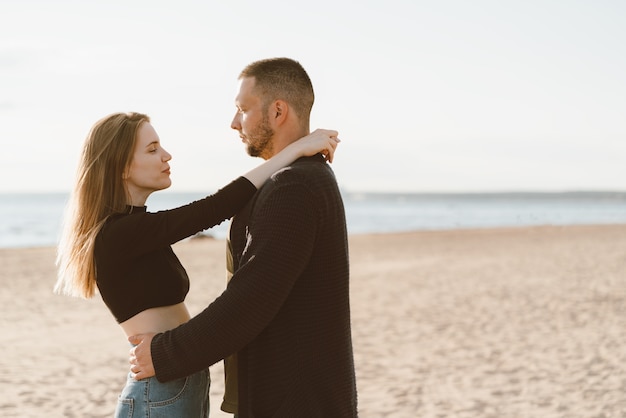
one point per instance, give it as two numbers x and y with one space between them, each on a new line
281 238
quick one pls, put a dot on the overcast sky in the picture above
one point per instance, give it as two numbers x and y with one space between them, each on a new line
427 96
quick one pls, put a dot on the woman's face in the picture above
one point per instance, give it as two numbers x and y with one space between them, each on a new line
149 169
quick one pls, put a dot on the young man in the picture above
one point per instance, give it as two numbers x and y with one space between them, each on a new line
286 311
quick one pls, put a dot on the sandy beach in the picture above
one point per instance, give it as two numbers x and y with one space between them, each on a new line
519 322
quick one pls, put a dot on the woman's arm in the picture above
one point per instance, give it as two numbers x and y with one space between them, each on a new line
144 232
320 140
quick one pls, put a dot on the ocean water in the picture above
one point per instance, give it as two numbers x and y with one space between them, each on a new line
32 220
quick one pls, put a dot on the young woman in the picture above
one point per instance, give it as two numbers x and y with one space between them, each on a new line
111 242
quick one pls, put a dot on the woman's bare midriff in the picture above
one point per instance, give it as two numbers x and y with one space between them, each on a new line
156 320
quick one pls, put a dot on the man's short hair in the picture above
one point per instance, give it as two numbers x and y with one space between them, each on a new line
282 79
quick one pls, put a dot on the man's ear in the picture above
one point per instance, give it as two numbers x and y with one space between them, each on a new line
280 110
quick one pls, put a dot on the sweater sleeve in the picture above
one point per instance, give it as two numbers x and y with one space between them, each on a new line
280 237
141 233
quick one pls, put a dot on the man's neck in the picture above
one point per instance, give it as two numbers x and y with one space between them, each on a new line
280 141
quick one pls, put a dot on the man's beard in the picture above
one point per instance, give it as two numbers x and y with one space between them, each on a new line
260 140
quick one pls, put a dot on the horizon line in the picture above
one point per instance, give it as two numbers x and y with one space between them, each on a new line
381 192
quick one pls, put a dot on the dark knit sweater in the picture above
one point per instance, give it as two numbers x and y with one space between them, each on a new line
136 268
286 311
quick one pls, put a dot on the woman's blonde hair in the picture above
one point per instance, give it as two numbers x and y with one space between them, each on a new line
98 193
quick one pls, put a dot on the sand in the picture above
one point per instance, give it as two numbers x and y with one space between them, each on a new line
526 322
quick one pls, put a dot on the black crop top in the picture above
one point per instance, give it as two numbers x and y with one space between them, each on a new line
136 268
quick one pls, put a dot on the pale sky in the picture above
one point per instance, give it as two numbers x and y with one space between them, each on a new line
427 96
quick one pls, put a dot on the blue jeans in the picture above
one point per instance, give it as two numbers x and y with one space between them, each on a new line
181 398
